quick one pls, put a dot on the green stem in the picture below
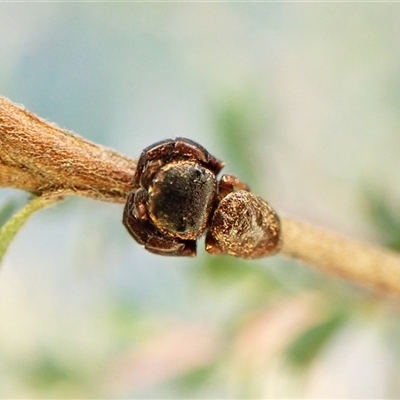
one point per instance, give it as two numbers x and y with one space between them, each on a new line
15 223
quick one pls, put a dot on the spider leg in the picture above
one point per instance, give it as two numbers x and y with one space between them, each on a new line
169 247
152 153
228 184
154 156
140 208
211 244
198 153
148 236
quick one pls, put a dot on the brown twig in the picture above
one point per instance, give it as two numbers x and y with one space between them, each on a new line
365 264
41 158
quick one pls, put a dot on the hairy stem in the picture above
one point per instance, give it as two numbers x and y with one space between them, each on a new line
45 160
339 256
40 157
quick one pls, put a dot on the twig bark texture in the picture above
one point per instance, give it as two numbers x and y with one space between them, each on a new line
366 264
40 157
45 160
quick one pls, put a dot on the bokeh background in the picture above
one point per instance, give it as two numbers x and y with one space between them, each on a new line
302 101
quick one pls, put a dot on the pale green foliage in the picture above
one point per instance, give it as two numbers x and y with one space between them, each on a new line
9 230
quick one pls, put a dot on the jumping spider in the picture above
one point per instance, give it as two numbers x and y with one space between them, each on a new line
178 198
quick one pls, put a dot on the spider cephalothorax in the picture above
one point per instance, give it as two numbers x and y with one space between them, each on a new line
175 198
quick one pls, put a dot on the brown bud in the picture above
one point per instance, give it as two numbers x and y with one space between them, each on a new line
244 225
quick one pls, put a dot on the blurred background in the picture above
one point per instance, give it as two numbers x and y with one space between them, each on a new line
302 101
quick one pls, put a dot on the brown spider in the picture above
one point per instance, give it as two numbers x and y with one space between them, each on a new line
177 195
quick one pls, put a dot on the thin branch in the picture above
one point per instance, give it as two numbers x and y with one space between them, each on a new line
43 159
15 223
40 157
365 264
